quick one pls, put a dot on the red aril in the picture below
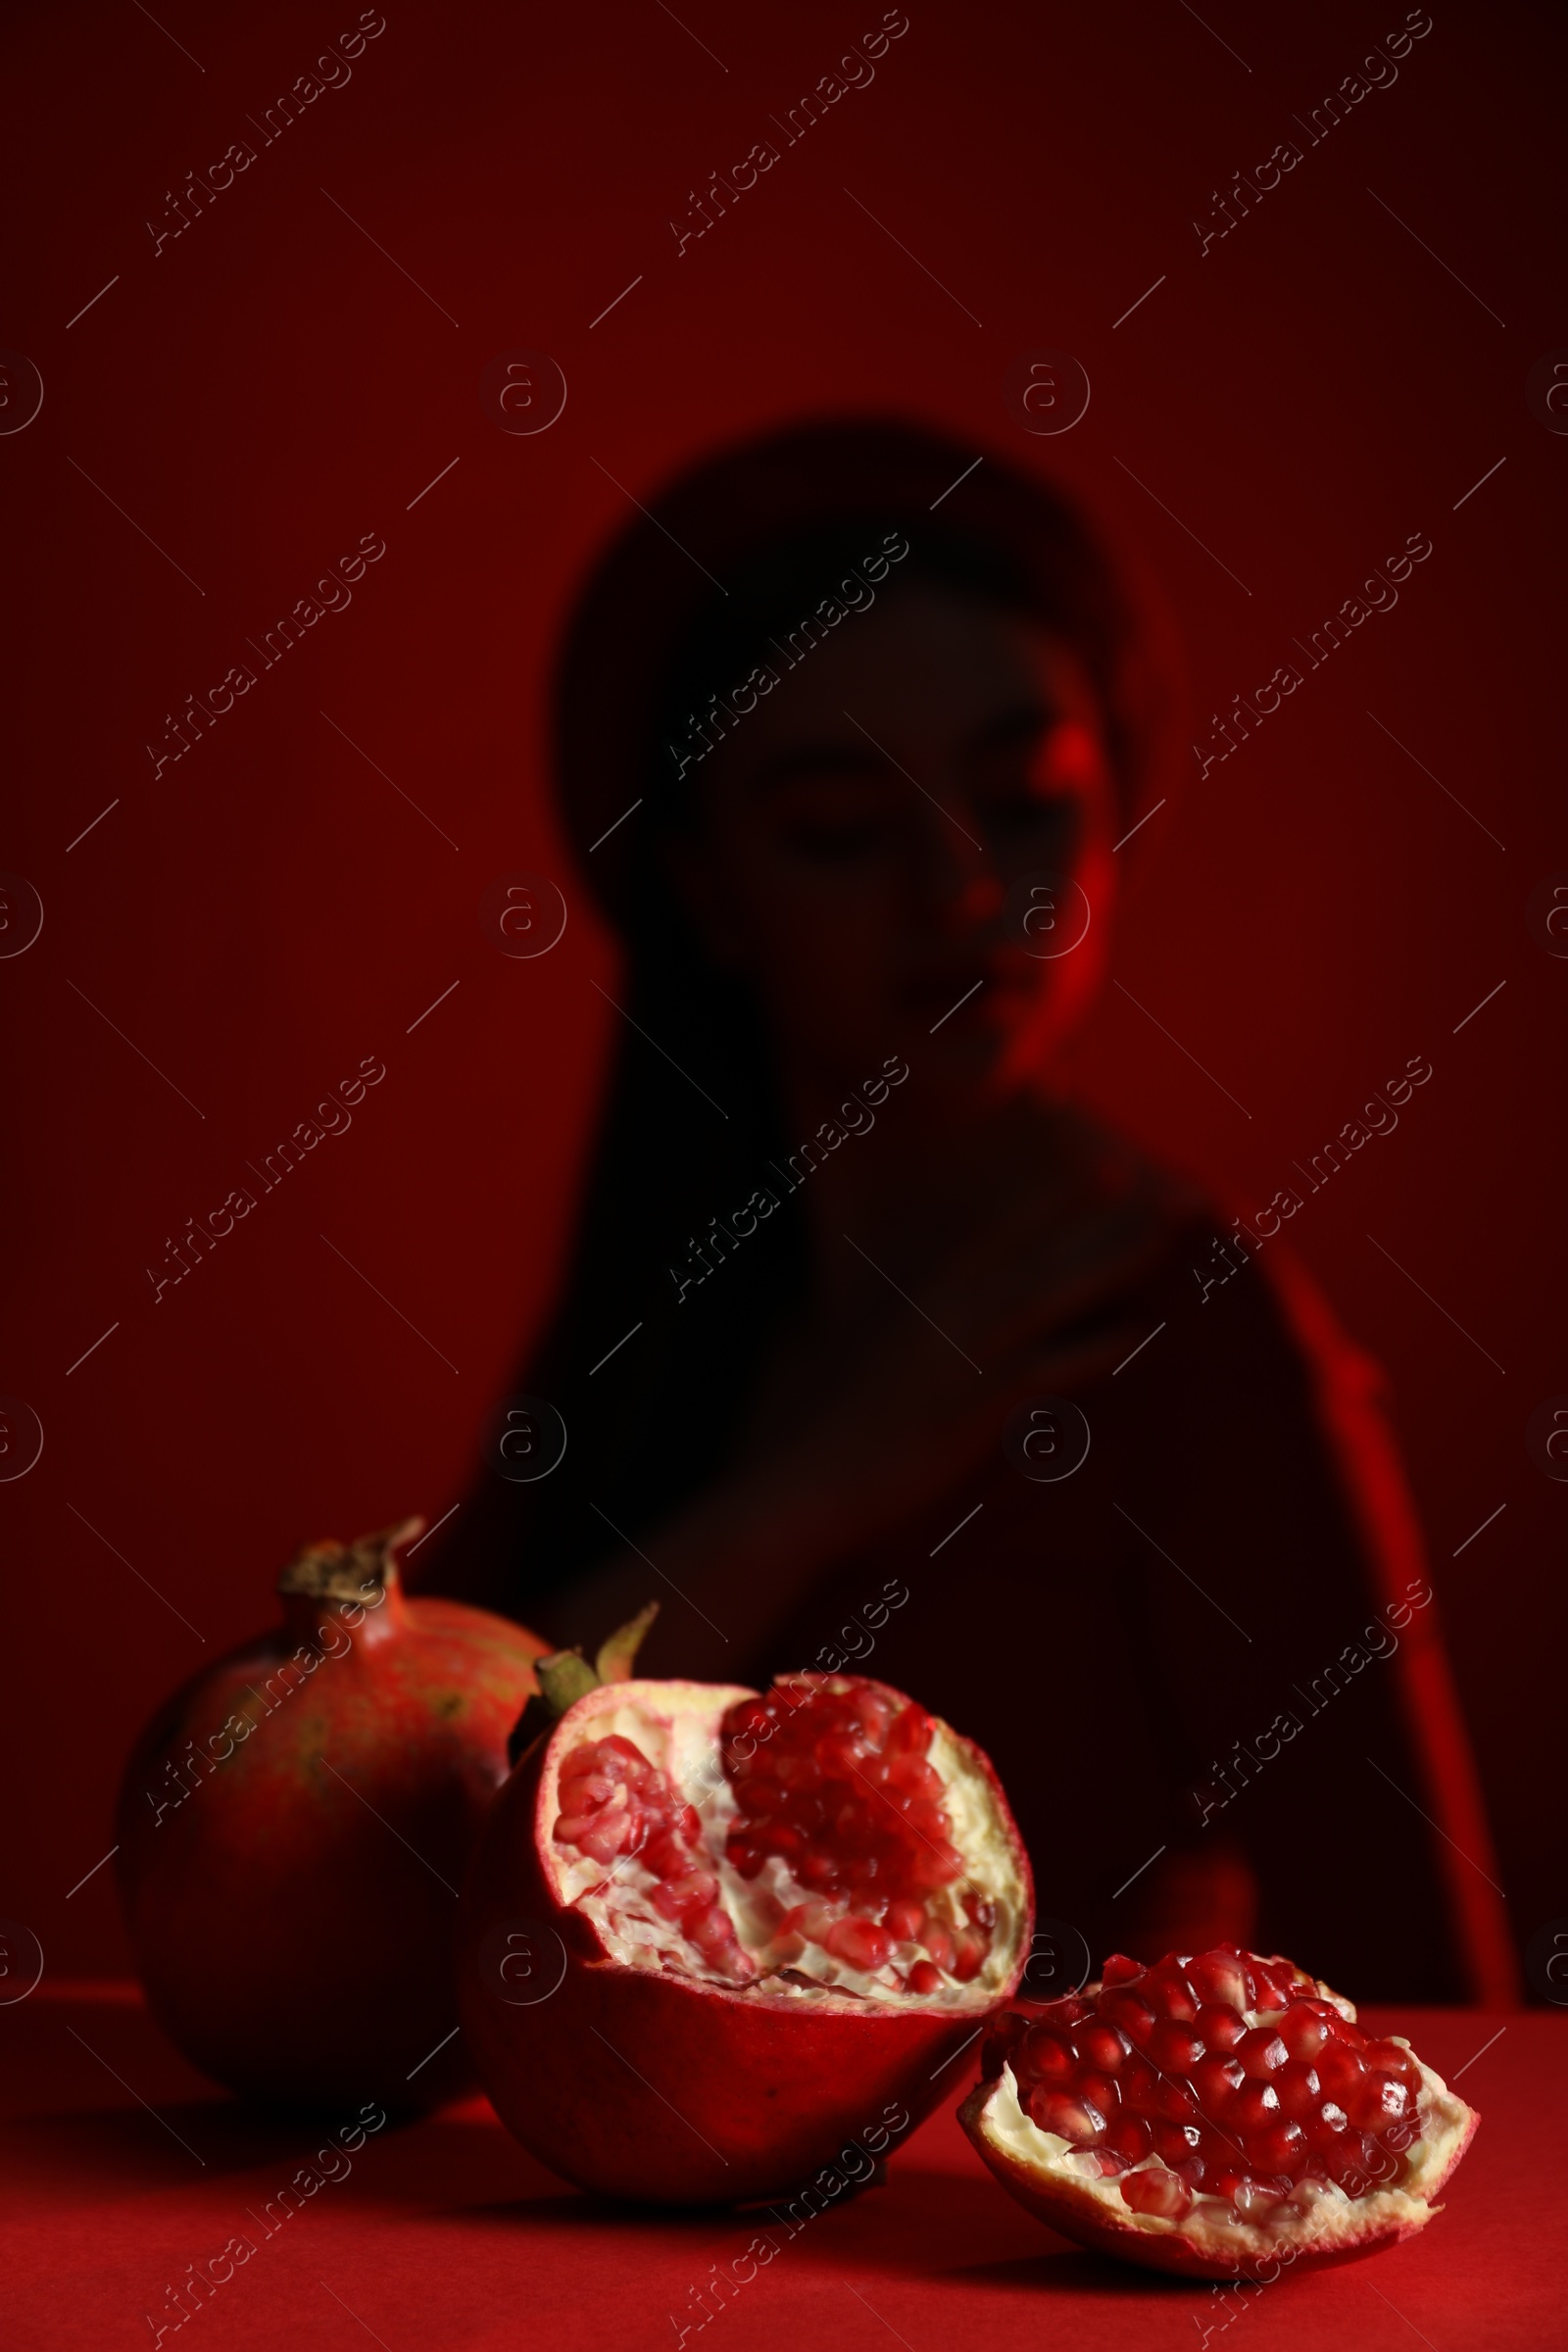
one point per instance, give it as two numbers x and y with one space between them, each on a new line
771 1918
1304 2138
294 1824
1220 2027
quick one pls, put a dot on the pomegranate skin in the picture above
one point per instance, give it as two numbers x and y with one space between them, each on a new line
649 2084
293 1825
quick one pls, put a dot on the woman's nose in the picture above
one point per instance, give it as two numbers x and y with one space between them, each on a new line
959 882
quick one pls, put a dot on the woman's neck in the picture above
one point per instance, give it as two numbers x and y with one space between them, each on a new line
924 1171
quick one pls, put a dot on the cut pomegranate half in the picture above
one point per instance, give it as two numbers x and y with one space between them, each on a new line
1221 2115
779 1914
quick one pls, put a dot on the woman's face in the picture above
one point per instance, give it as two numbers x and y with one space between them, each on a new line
907 846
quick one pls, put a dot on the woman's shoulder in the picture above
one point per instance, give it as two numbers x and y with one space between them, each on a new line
1240 1283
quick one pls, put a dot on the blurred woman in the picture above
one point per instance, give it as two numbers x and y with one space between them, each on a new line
876 1351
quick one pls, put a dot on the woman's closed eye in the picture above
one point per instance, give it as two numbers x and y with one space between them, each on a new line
836 819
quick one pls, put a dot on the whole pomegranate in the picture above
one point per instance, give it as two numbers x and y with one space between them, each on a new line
709 1936
1222 2115
293 1825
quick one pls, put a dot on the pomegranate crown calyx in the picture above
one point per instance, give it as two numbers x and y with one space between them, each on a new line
564 1675
349 1572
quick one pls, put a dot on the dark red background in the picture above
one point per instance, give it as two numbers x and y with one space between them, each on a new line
270 387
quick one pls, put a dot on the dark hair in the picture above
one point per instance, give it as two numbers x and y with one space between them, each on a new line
686 602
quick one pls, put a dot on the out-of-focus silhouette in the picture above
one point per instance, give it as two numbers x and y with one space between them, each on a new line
854 736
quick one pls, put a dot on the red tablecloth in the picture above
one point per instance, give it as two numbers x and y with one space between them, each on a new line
121 2167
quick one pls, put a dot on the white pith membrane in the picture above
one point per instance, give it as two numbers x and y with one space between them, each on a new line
1317 2214
676 1728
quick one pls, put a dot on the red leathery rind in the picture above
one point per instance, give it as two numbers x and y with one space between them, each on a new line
652 2085
290 1942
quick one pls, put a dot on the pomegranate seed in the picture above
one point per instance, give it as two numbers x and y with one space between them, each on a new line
1222 1976
1172 2100
860 1941
904 1921
924 1979
1170 1991
607 1835
1302 2033
1044 2057
1132 2137
1215 2080
1350 2163
695 1888
1175 2047
1261 2052
911 1731
1156 2192
1299 2089
1280 2147
1120 1970
1219 2152
1133 2014
1173 2141
940 1944
591 1789
1220 2025
1098 2090
934 1864
1252 2198
1340 2071
1254 2104
1393 2058
1381 2099
1137 2082
972 1955
1271 1989
1072 2119
1327 2134
711 1929
666 1854
1100 2045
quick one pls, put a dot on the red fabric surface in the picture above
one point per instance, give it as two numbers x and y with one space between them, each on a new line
445 2233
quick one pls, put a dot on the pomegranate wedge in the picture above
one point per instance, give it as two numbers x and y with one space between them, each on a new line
709 1937
1223 2116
